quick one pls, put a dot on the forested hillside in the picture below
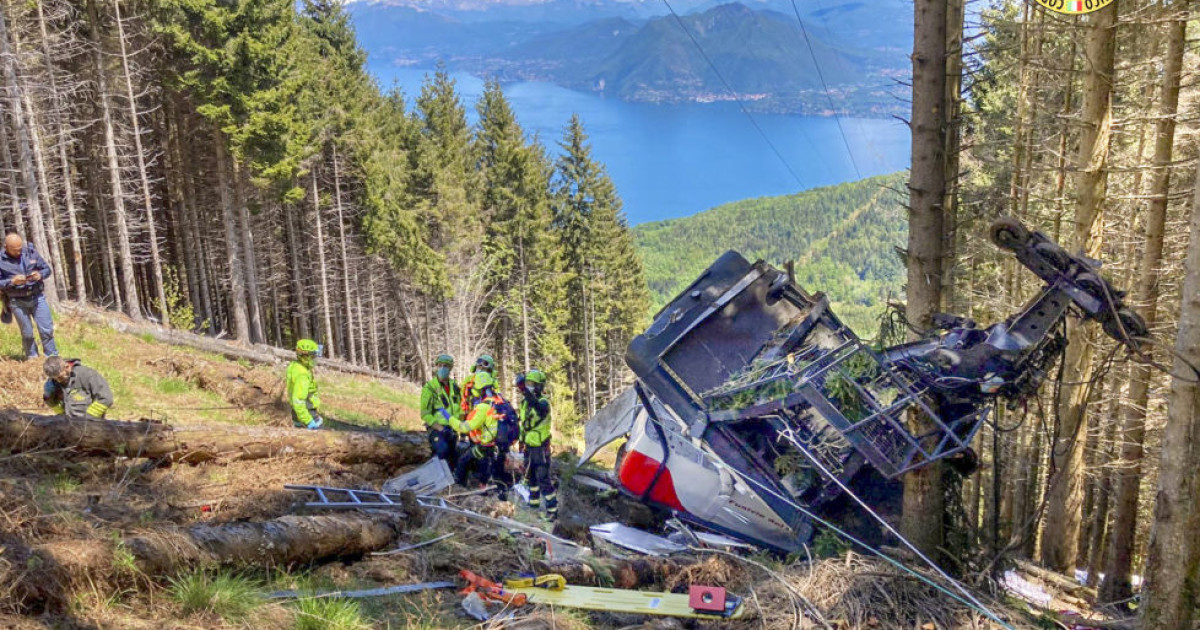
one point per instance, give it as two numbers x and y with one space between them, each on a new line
230 168
843 239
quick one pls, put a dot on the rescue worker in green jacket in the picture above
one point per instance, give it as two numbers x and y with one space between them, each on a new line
485 363
533 413
481 426
440 410
75 389
302 386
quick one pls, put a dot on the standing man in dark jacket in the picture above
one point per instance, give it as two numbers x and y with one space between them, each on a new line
23 274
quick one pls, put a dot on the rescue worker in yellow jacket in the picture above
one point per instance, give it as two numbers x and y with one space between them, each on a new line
75 390
440 400
533 413
481 426
302 386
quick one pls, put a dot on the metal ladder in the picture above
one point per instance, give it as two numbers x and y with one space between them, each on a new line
351 499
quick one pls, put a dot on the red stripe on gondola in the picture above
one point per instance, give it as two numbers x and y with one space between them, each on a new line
637 474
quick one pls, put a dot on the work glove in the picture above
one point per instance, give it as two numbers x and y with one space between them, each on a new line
316 422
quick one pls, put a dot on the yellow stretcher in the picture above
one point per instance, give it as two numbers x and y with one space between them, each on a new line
624 601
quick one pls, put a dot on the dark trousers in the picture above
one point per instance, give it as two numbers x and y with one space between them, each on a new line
500 474
537 475
478 458
443 442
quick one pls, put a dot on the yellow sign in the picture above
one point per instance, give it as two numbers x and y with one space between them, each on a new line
1074 7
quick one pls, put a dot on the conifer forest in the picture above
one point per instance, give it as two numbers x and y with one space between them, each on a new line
230 168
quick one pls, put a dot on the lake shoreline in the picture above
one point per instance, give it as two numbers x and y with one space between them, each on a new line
673 160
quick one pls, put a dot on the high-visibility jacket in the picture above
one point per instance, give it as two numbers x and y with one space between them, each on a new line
302 392
437 397
85 394
483 422
534 417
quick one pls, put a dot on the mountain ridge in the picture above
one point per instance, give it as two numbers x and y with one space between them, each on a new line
759 55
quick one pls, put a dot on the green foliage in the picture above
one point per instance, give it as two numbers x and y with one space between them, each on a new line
843 239
230 597
179 309
329 613
606 290
123 561
828 544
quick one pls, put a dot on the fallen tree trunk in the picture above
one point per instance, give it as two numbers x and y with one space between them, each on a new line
55 568
259 353
22 432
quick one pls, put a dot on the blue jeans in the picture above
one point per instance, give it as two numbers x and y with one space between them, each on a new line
34 310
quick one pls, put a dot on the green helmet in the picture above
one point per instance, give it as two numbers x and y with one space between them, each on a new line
444 359
536 376
306 346
486 362
482 381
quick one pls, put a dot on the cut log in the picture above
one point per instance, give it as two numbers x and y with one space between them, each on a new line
283 542
22 432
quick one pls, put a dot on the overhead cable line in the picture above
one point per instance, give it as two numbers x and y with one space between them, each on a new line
825 86
735 96
858 121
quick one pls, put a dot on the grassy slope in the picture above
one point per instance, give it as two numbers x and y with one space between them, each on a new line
841 237
139 371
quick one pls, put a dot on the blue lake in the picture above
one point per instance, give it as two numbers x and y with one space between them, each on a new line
675 160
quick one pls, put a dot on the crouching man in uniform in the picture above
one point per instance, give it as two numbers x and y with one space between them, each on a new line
75 390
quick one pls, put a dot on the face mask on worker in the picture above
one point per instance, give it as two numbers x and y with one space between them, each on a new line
443 372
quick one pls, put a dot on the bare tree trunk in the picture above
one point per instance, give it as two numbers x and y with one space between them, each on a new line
128 281
922 519
278 543
1117 584
24 432
10 169
1169 596
144 176
1064 507
64 141
337 204
323 270
300 326
371 287
233 254
25 150
250 264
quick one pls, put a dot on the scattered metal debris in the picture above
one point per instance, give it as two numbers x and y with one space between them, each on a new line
635 539
430 478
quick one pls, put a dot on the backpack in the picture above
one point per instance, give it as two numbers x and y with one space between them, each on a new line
508 430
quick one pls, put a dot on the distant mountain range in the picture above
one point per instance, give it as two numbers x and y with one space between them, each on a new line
628 50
